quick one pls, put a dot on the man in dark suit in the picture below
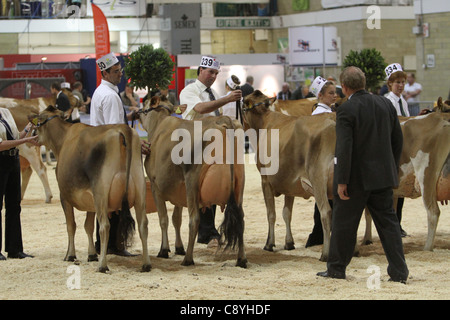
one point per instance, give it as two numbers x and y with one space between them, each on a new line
62 101
247 88
369 142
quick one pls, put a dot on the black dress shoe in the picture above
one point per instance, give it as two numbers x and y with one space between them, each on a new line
327 274
2 257
398 280
314 240
19 255
122 253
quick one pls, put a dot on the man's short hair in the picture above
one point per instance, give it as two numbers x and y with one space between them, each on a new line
353 78
56 86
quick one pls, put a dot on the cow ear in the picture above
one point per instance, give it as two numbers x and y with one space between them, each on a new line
154 101
33 118
51 108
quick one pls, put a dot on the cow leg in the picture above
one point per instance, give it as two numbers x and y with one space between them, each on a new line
89 228
142 220
176 221
32 155
325 218
269 199
103 222
368 232
26 175
164 225
242 257
71 228
287 216
433 213
194 221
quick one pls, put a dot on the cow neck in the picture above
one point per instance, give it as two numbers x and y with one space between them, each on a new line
56 131
154 123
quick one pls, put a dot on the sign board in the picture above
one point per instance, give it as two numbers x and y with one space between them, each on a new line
243 23
311 46
181 31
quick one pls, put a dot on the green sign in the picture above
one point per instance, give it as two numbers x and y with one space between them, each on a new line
243 23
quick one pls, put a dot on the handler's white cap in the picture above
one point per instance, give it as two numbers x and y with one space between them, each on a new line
210 62
233 85
65 85
317 85
392 68
107 61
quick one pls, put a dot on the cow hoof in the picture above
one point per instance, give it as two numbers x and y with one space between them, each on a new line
163 253
180 251
103 269
269 247
241 263
146 268
92 257
70 258
187 262
367 242
289 246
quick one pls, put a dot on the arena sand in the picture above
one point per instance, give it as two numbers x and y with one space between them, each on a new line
278 275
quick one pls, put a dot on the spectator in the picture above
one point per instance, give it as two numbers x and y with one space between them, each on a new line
285 93
412 94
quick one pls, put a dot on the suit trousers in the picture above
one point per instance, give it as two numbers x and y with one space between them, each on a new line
10 191
206 228
345 221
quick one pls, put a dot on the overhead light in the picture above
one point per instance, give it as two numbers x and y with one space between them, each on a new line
43 59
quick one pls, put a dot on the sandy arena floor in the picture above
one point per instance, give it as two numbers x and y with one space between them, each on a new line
278 275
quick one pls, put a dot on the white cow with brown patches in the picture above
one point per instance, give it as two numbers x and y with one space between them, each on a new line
425 164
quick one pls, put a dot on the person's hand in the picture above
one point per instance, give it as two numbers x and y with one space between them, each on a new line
34 140
235 95
145 147
342 192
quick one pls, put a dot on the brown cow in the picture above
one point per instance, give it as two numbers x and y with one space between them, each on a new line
306 152
30 155
99 170
298 108
194 182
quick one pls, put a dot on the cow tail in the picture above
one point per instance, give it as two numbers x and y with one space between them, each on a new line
232 228
126 225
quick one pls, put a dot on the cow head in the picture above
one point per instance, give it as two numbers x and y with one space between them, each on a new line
442 106
40 120
154 111
255 106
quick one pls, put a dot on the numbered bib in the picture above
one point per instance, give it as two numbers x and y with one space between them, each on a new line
392 68
209 62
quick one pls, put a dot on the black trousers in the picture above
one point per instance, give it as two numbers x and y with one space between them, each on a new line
11 193
115 241
206 229
345 221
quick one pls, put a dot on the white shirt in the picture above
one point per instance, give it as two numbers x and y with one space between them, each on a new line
8 118
193 94
106 105
322 108
230 108
411 88
394 99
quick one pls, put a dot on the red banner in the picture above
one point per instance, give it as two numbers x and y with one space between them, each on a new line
101 33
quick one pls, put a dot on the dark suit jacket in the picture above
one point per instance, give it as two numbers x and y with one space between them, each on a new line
280 95
62 102
369 142
246 89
